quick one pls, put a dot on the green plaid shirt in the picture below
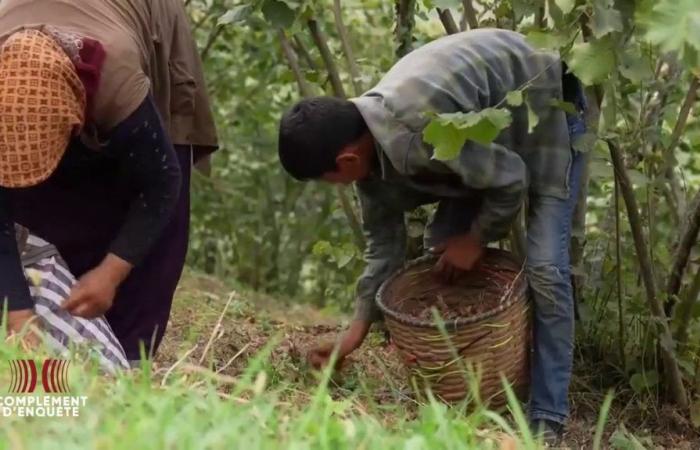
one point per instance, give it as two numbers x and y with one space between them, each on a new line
463 72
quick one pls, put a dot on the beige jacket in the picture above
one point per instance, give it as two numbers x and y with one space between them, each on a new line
149 48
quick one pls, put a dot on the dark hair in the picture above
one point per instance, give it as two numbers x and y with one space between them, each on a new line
314 131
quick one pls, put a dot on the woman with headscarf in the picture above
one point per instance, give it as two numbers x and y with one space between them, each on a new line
103 112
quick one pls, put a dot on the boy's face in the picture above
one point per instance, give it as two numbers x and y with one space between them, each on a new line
347 172
353 163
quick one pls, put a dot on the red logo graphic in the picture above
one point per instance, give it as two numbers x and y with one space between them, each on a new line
54 376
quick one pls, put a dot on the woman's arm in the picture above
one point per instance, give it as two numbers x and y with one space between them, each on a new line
148 162
14 291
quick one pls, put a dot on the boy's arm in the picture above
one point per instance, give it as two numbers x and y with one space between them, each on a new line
501 175
385 232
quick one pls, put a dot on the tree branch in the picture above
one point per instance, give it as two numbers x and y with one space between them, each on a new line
347 47
448 21
675 380
301 50
213 36
321 42
688 102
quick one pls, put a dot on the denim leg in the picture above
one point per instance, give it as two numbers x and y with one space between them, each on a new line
548 270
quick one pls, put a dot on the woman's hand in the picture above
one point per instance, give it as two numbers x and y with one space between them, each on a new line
93 294
19 325
320 356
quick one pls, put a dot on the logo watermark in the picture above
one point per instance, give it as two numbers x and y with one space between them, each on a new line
24 379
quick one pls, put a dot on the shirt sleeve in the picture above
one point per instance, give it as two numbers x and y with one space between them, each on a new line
385 232
147 159
13 285
501 175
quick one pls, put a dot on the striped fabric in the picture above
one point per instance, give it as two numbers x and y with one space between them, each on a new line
50 283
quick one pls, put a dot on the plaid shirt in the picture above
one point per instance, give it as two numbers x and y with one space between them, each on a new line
463 72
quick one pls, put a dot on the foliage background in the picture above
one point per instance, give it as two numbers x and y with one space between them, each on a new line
639 60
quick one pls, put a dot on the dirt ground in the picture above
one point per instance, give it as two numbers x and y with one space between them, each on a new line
216 327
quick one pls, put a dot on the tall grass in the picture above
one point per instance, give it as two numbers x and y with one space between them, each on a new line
196 409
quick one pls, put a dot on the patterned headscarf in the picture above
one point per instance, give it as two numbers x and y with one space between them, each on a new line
42 105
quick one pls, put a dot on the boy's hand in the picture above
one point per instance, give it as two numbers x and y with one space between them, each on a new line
459 253
94 293
320 356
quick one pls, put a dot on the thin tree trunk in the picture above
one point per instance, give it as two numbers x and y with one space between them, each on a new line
347 47
448 21
685 309
688 102
680 262
321 42
470 14
291 57
675 380
578 226
618 276
405 21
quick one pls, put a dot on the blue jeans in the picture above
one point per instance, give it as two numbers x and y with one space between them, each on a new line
549 277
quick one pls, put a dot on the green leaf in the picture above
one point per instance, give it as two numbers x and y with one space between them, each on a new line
593 61
447 133
447 139
623 440
639 382
565 106
446 4
322 248
344 255
606 19
532 119
638 178
278 13
547 40
673 24
523 8
236 14
695 413
566 6
514 98
585 142
635 67
558 9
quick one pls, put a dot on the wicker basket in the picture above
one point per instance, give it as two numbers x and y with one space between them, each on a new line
486 340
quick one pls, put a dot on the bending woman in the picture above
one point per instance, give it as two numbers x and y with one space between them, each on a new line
103 111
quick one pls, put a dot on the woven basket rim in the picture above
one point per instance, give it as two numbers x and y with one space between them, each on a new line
453 323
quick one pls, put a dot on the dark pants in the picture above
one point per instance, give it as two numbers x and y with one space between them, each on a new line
80 209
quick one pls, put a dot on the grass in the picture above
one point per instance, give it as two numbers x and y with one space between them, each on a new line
234 377
193 409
